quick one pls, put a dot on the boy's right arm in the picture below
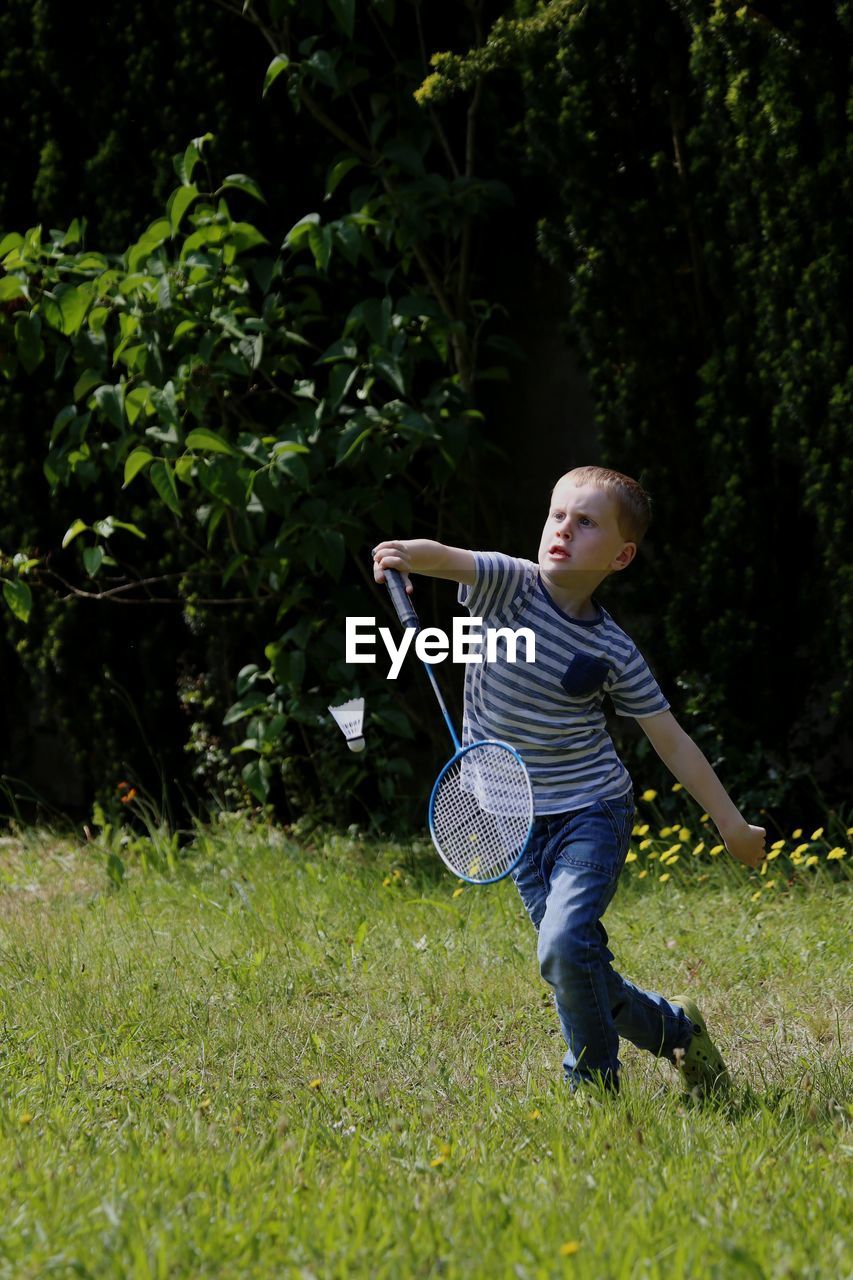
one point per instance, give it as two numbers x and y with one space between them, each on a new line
421 555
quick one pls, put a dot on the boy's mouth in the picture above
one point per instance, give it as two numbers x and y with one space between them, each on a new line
558 553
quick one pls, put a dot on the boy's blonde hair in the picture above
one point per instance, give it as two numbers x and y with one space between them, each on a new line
633 504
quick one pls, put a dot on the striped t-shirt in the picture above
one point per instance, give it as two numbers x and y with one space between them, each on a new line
550 710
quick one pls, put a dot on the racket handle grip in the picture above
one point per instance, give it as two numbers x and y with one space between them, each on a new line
399 599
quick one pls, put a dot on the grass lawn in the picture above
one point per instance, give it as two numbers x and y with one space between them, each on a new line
326 1059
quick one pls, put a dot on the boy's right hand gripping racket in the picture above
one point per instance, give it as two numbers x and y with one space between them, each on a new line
481 807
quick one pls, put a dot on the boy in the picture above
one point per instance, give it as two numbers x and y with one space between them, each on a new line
550 711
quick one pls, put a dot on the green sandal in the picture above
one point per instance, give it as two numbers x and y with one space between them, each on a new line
700 1065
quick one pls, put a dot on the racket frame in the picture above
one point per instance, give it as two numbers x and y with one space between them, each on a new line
462 751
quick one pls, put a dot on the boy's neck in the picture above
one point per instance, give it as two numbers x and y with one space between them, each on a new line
575 599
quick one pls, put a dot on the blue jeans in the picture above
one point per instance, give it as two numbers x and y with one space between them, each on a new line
567 877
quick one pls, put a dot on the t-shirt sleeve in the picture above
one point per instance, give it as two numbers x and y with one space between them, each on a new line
634 690
498 581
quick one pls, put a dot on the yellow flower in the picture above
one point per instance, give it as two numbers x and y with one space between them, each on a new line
533 1115
433 1164
835 854
641 875
676 848
644 844
718 848
643 830
795 835
445 1148
671 860
456 892
649 795
850 831
568 1249
631 857
699 848
663 879
756 896
771 884
26 1118
315 1084
678 786
778 844
684 835
386 881
774 853
801 848
204 1105
816 835
665 831
706 817
810 862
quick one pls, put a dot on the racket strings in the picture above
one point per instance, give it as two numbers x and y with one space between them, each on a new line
481 812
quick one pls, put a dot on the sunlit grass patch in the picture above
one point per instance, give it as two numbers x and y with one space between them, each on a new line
273 1056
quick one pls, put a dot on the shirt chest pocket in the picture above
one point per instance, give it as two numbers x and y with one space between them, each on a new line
584 675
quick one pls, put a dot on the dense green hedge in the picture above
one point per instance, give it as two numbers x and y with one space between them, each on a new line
701 159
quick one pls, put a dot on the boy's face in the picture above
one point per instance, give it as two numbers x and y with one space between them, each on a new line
581 535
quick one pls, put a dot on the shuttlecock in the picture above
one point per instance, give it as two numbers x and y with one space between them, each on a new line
350 718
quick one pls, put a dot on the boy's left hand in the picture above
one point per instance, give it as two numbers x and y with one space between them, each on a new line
746 844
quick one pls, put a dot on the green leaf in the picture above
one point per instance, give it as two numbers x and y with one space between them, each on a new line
93 558
28 340
66 414
242 182
135 401
279 64
350 440
65 308
391 371
110 402
298 233
9 242
344 11
18 597
331 550
179 202
338 172
256 775
163 479
134 463
320 241
11 287
130 528
185 165
244 236
84 384
323 65
206 439
78 527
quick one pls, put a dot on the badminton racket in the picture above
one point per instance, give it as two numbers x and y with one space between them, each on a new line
481 806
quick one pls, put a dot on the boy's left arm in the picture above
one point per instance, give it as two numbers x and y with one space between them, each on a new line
690 766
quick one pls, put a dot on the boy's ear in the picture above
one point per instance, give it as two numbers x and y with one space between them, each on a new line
625 556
